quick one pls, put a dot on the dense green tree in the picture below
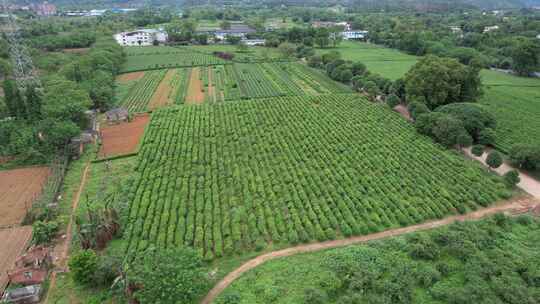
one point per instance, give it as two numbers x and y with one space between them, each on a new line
475 117
525 156
56 106
477 150
441 81
444 128
494 159
526 56
83 266
168 276
512 178
392 100
487 137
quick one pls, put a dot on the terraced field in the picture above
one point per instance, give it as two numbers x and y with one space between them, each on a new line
238 176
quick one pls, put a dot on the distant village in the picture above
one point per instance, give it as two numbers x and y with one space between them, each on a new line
146 37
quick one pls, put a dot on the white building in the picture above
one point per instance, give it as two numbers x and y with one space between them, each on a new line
254 42
488 29
142 37
538 36
354 35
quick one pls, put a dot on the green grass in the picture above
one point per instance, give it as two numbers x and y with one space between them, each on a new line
387 62
476 261
235 177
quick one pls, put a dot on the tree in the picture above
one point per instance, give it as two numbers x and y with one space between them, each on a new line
57 92
44 232
358 68
225 25
167 276
475 118
417 108
231 39
202 39
331 57
494 159
477 150
487 137
322 37
525 56
512 178
315 296
443 128
525 156
287 49
392 100
315 61
83 266
440 81
371 89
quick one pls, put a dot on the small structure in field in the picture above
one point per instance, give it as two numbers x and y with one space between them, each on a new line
117 115
26 295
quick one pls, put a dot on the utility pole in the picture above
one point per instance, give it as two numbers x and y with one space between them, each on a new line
24 72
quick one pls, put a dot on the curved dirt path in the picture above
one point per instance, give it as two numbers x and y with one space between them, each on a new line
516 206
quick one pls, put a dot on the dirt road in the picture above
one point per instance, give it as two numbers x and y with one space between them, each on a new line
527 183
514 206
61 251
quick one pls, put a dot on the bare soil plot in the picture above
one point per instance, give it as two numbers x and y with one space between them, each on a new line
130 77
195 94
14 241
123 138
163 91
18 189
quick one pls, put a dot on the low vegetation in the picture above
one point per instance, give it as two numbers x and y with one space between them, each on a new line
492 261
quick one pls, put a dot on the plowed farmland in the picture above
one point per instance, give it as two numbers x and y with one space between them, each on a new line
14 242
123 138
18 189
237 176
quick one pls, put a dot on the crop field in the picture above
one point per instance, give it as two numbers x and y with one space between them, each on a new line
253 53
140 94
238 176
18 190
244 81
514 101
18 239
162 57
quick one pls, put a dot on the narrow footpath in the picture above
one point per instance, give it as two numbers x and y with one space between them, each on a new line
61 250
515 206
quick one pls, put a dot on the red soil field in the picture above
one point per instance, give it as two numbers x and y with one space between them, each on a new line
18 189
161 95
195 94
123 138
14 241
130 76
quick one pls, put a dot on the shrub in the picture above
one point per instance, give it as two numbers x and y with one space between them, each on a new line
512 178
44 232
477 150
315 296
486 137
83 265
417 108
392 100
525 156
494 159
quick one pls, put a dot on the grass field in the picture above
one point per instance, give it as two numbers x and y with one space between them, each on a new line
236 177
387 62
495 267
515 101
